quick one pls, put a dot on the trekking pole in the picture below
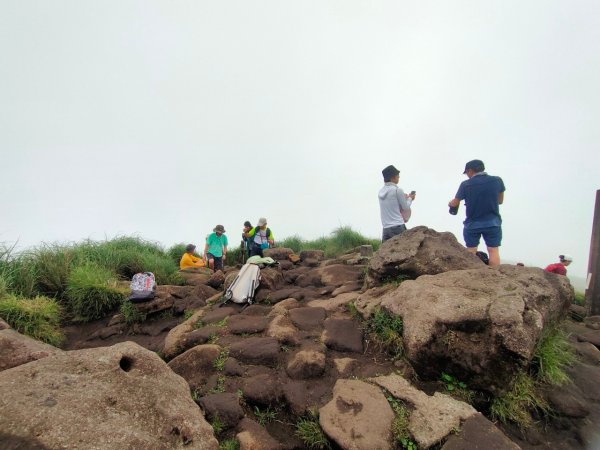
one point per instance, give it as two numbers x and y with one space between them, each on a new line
243 247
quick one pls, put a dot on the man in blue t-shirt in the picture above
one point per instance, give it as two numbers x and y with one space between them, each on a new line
215 249
482 194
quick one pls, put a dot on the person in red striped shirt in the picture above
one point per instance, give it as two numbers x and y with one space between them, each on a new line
561 266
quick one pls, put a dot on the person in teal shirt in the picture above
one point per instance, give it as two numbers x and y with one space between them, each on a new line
215 249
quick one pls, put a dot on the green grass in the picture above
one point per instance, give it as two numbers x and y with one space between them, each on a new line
264 416
385 330
220 387
456 388
131 313
310 432
92 292
38 317
229 444
552 355
400 430
217 424
516 404
219 363
579 299
341 240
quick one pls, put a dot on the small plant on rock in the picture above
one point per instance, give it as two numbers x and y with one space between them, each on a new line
354 313
189 313
265 416
457 388
219 363
310 432
229 444
220 387
217 425
400 424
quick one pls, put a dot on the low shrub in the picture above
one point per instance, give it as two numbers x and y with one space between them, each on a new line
340 241
92 292
310 432
176 251
229 444
52 264
579 299
38 317
131 313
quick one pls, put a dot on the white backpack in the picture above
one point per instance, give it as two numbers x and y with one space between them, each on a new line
243 287
143 287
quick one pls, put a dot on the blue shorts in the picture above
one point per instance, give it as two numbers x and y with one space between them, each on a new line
491 235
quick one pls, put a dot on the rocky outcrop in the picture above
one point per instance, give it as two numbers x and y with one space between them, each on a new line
358 417
481 325
419 251
196 364
479 433
17 349
432 417
112 397
278 253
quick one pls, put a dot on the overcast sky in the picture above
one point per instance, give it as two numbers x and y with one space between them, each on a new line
162 119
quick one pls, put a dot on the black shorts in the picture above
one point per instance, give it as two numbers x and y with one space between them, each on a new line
217 259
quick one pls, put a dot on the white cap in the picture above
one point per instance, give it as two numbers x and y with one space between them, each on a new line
262 222
566 258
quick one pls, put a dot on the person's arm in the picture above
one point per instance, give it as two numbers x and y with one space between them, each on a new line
250 233
205 249
224 252
454 202
460 195
501 194
271 240
404 204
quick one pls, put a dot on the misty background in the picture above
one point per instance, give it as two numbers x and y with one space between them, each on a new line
162 119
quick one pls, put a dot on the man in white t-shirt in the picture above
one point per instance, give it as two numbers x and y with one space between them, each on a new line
394 204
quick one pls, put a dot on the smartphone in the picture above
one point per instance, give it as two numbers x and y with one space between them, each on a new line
413 192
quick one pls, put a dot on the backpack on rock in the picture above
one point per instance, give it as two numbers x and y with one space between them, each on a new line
143 287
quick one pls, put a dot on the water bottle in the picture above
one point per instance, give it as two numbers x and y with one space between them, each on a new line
453 210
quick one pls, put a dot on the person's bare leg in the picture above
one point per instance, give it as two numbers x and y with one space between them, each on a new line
472 249
494 254
211 264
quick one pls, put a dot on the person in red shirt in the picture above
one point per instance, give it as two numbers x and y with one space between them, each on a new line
560 267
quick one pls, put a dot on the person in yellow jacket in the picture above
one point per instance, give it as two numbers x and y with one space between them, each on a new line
189 261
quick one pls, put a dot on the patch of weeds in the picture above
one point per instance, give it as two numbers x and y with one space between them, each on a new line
220 387
196 395
284 348
38 317
354 313
217 425
265 416
310 432
229 444
213 339
167 314
516 405
579 299
219 363
188 314
131 313
397 280
240 394
457 388
552 355
199 325
385 330
221 323
400 424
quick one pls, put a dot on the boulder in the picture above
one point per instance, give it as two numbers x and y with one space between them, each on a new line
366 251
307 318
200 336
252 436
3 325
262 389
340 274
284 306
318 255
306 364
479 433
229 278
122 396
351 286
419 251
218 314
271 279
358 417
174 340
433 417
256 350
196 278
481 325
282 329
593 337
345 366
303 396
286 265
216 280
196 364
337 303
233 368
17 349
224 406
159 303
343 335
278 253
370 300
242 324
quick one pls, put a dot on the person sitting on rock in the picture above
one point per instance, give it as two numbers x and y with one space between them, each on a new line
561 266
215 249
261 238
189 262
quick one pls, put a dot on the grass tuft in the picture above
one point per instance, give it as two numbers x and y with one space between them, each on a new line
400 424
340 241
38 317
516 405
579 299
552 355
385 330
92 292
310 432
131 313
229 444
265 416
